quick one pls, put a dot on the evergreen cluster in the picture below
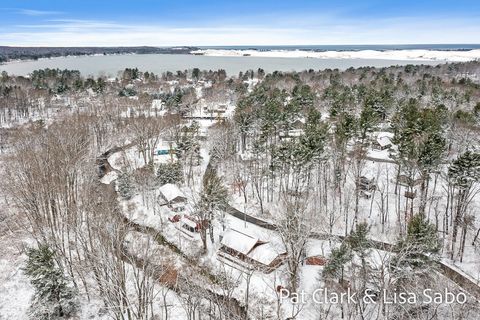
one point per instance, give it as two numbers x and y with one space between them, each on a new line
356 242
420 245
170 173
53 298
125 185
465 170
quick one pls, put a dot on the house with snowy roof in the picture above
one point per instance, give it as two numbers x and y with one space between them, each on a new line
249 252
173 197
383 141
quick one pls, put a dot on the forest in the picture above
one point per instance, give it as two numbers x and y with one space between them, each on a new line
8 53
200 195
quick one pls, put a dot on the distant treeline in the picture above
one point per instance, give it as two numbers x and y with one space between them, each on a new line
13 53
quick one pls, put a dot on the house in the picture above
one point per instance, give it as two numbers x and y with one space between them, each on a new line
161 152
291 134
209 112
215 109
383 141
189 224
173 197
247 157
366 186
298 124
166 148
220 108
295 130
250 252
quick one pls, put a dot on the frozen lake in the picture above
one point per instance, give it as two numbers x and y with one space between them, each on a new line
109 65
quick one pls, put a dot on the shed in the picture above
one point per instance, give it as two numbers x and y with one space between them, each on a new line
316 261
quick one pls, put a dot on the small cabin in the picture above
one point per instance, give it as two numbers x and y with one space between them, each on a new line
291 134
221 108
366 184
218 110
189 224
173 197
166 149
383 141
298 124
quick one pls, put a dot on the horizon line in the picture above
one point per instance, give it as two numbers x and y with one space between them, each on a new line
246 45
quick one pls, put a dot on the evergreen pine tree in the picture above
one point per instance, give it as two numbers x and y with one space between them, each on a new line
125 185
315 135
357 239
214 197
336 262
214 194
476 111
465 170
53 298
420 244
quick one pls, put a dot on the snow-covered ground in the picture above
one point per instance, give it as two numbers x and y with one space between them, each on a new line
384 199
15 288
132 159
427 55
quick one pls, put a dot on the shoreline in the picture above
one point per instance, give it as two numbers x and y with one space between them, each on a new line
401 54
12 61
111 64
371 54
